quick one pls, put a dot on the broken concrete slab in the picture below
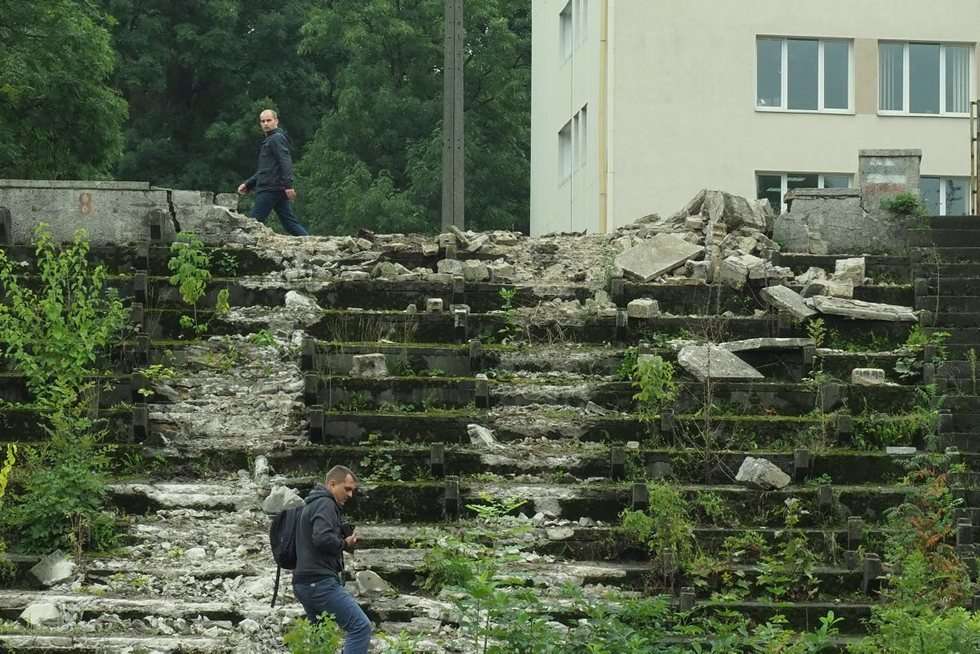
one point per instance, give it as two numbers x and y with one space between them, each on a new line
369 365
734 270
850 270
643 308
868 377
732 210
787 301
656 256
812 274
833 287
715 363
370 584
296 300
762 473
860 310
42 614
53 568
482 437
753 344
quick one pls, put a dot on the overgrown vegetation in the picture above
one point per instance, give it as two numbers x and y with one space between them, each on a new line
654 379
906 206
190 264
54 336
303 637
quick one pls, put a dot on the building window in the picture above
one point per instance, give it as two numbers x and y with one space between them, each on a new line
775 186
581 136
924 78
581 17
945 196
565 32
565 152
803 74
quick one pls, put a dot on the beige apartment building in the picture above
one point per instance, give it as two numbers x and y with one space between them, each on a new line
638 104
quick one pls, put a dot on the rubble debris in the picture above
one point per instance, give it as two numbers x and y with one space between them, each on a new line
850 270
656 256
716 363
787 301
53 568
859 310
868 376
753 344
482 437
762 473
369 365
643 308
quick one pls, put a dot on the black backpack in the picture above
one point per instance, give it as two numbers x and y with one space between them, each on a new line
282 537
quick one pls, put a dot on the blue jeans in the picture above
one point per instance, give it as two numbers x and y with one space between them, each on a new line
266 201
328 595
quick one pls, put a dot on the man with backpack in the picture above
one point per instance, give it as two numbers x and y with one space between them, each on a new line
321 538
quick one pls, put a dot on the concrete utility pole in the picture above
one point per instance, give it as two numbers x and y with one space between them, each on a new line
453 174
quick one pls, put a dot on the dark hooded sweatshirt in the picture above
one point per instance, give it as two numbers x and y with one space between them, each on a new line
275 168
319 538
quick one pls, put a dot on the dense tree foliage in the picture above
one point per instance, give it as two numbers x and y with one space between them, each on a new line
376 158
59 117
357 83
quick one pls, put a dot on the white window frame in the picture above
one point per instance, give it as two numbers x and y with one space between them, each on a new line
566 153
566 32
907 78
942 189
580 136
784 82
784 182
580 17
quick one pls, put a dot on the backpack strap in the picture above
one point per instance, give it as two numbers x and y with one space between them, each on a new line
275 589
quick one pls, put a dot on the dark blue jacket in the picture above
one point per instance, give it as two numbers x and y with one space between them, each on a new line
319 538
275 168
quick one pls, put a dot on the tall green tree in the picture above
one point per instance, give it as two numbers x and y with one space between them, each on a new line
376 159
59 116
197 73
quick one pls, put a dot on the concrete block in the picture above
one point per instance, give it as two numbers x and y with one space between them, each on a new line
643 308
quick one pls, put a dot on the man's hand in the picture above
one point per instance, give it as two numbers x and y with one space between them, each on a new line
291 194
350 542
242 189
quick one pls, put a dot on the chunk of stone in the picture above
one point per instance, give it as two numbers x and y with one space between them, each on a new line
788 301
868 376
859 310
388 270
281 498
732 210
812 274
482 437
249 626
355 275
833 287
502 271
260 471
439 278
450 266
433 305
369 365
196 554
656 256
643 308
559 533
762 473
694 223
370 583
42 614
713 362
430 249
296 300
698 270
850 270
475 271
53 568
734 270
900 450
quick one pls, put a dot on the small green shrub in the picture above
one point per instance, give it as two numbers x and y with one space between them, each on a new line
666 529
905 206
321 638
654 378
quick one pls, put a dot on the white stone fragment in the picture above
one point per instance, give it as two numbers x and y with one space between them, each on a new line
53 569
369 365
868 376
762 473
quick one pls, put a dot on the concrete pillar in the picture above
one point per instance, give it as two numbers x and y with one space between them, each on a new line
887 173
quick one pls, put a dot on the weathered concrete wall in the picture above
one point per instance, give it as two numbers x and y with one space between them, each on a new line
111 212
851 221
833 221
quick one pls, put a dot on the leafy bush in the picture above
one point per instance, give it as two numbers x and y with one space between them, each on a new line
905 205
321 638
654 378
666 529
54 335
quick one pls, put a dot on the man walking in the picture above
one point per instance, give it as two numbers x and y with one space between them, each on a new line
273 181
321 538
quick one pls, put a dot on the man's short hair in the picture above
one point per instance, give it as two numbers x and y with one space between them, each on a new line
338 474
275 114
